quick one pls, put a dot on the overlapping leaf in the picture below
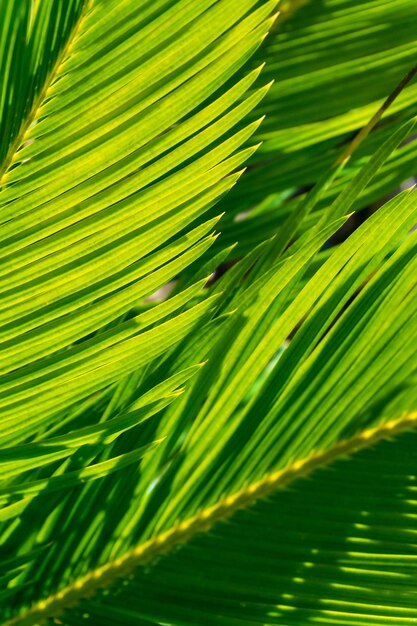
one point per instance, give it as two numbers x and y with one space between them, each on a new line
311 351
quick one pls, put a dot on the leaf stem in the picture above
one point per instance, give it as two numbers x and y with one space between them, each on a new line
204 520
33 114
365 130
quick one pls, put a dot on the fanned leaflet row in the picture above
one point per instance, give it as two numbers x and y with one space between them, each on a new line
98 205
181 459
339 548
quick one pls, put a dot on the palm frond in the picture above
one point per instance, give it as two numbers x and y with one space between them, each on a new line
90 213
182 460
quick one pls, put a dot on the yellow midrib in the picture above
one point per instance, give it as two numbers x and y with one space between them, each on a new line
104 576
39 100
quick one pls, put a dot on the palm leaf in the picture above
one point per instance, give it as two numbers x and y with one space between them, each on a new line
139 487
338 548
76 251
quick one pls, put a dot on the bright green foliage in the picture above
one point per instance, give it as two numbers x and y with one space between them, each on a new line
180 459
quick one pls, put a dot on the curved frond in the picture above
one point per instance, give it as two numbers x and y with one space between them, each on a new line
173 440
125 154
335 549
